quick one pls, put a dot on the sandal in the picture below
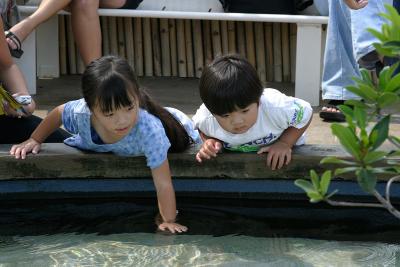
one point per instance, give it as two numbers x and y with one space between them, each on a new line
328 116
15 52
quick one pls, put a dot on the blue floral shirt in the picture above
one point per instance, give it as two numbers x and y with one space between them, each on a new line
146 138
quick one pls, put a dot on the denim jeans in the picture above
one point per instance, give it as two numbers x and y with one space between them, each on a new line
347 41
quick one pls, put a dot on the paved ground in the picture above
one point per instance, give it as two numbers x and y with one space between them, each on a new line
181 93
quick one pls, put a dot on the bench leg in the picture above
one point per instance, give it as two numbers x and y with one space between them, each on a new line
308 63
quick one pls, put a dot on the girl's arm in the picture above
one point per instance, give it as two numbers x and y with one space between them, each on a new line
166 198
49 124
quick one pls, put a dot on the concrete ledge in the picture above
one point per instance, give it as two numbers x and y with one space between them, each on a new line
61 161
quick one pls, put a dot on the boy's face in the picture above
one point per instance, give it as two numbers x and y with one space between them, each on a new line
240 120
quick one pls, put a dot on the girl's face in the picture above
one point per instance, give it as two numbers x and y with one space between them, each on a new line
240 120
118 122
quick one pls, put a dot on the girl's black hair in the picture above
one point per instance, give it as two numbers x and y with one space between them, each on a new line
228 83
110 83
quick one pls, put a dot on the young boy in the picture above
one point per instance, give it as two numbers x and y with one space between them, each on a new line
240 115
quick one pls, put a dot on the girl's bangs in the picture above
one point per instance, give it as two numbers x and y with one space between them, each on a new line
114 94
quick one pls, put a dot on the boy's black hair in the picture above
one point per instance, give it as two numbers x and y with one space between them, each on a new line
228 83
110 83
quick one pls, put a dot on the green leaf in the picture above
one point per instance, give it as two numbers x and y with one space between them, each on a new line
314 179
374 156
386 170
394 82
387 99
360 116
325 181
366 179
340 171
305 185
380 132
348 139
334 160
314 197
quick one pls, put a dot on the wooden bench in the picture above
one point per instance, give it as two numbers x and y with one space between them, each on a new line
43 45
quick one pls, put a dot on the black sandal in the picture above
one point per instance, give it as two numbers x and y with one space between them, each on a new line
15 52
332 115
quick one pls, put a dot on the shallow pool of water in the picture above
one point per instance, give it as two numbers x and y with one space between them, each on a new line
221 233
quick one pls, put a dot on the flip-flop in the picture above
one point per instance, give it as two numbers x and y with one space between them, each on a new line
15 52
333 115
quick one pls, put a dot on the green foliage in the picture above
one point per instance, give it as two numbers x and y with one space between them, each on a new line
317 189
367 122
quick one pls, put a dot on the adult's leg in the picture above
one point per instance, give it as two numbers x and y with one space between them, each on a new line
86 29
339 62
16 130
46 9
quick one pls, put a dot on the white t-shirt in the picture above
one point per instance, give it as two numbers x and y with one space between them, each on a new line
276 113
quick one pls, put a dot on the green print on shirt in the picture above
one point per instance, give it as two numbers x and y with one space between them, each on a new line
298 114
243 148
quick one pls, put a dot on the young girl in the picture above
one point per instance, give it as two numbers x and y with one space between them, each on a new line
240 115
116 116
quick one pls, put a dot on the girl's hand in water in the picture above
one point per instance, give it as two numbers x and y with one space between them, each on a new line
172 227
208 149
20 150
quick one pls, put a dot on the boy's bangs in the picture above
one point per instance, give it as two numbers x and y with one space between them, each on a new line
230 97
114 94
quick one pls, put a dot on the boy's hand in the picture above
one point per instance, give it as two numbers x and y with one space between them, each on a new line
209 149
20 150
356 4
279 154
172 227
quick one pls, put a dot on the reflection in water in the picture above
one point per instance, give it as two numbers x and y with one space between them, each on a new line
122 233
145 249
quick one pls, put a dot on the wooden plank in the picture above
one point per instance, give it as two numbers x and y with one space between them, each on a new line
138 40
207 42
130 49
121 37
180 36
260 52
250 53
232 38
241 39
148 47
277 40
165 48
155 34
216 38
112 28
172 40
293 43
63 45
224 37
285 52
270 51
71 47
105 36
189 48
198 47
